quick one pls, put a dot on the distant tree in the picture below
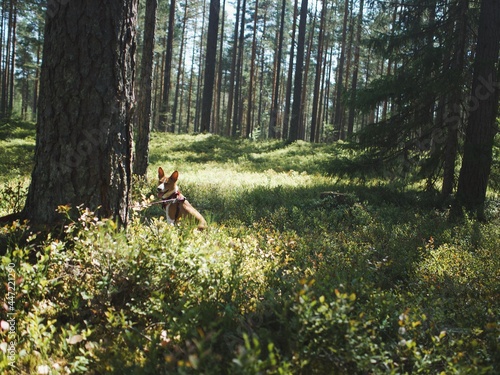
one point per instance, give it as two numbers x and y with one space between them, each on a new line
299 70
452 116
354 83
338 121
8 56
277 74
426 46
289 81
306 78
83 143
180 69
141 159
168 68
237 97
210 60
220 75
318 75
251 92
482 127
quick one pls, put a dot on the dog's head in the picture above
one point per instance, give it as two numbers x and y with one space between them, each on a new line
166 185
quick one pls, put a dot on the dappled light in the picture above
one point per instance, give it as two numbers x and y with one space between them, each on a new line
300 270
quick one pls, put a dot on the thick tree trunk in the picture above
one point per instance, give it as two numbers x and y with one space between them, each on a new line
168 68
288 94
277 75
317 79
84 147
210 59
141 159
180 73
452 122
232 79
354 84
481 129
219 104
305 80
201 68
299 71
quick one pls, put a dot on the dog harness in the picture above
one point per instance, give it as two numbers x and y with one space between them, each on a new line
175 198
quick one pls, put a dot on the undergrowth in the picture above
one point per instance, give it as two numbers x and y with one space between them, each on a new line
282 281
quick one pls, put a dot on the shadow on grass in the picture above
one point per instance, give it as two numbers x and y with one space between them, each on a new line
16 129
16 158
17 145
246 155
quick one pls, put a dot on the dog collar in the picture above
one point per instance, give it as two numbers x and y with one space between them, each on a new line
174 198
176 195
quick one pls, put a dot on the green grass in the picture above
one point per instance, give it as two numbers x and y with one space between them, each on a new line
282 282
17 144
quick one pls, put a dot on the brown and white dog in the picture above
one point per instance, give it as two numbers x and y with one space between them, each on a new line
175 204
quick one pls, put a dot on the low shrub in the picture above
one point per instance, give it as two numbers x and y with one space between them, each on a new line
282 282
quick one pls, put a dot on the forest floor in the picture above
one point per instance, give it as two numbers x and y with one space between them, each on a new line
376 279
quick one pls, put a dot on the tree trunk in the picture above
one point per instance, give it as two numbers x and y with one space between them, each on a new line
305 80
210 59
481 129
317 79
262 73
217 116
190 89
237 105
180 72
230 101
252 72
339 110
297 88
37 76
6 67
452 122
288 95
354 83
83 144
12 68
277 75
201 68
141 159
168 67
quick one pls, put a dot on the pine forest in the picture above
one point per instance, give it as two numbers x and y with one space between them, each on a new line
339 162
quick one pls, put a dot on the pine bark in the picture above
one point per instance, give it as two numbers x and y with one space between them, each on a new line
180 73
83 143
354 83
210 60
299 71
317 79
277 75
339 110
237 97
289 81
481 128
141 159
232 78
251 93
452 122
168 68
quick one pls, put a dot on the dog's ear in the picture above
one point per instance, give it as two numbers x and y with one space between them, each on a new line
174 176
161 174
